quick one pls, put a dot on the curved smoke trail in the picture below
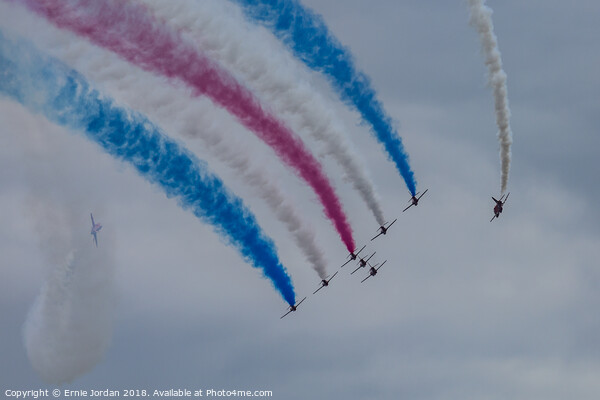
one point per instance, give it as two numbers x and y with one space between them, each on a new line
192 118
307 36
63 96
130 31
481 19
265 69
69 326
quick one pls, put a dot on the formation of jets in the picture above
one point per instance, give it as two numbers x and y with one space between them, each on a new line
383 230
362 261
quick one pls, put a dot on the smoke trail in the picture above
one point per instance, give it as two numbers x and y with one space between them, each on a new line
274 197
481 19
307 36
69 326
128 30
259 179
192 118
269 72
64 97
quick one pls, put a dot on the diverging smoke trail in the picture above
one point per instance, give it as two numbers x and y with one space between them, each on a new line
307 36
195 120
276 199
265 186
190 117
269 72
63 96
69 326
130 31
481 19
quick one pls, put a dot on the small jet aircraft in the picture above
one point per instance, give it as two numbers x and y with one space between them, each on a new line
95 229
499 205
383 229
353 255
293 308
363 263
415 200
373 270
325 282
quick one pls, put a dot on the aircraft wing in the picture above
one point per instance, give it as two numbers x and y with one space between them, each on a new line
371 256
92 217
408 207
300 302
320 287
493 218
506 197
377 269
336 272
357 268
290 308
358 252
368 276
376 236
392 223
422 194
345 263
95 239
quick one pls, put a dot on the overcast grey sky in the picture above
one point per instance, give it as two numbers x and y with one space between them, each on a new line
463 308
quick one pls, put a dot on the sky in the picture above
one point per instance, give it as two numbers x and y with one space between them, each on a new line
463 308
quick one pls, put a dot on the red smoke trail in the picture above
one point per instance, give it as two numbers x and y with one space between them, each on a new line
133 33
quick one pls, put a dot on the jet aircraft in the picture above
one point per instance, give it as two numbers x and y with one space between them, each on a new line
499 206
325 282
95 229
373 270
383 229
363 263
293 308
415 200
353 255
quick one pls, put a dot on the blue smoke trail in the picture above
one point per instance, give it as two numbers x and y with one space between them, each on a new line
307 36
46 86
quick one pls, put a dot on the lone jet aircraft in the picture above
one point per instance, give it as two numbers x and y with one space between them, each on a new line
499 206
95 229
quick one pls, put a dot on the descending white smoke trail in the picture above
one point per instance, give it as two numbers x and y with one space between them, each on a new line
69 326
266 69
271 193
481 19
190 117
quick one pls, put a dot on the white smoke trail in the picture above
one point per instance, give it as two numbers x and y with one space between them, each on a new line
481 19
195 118
228 39
270 193
69 326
